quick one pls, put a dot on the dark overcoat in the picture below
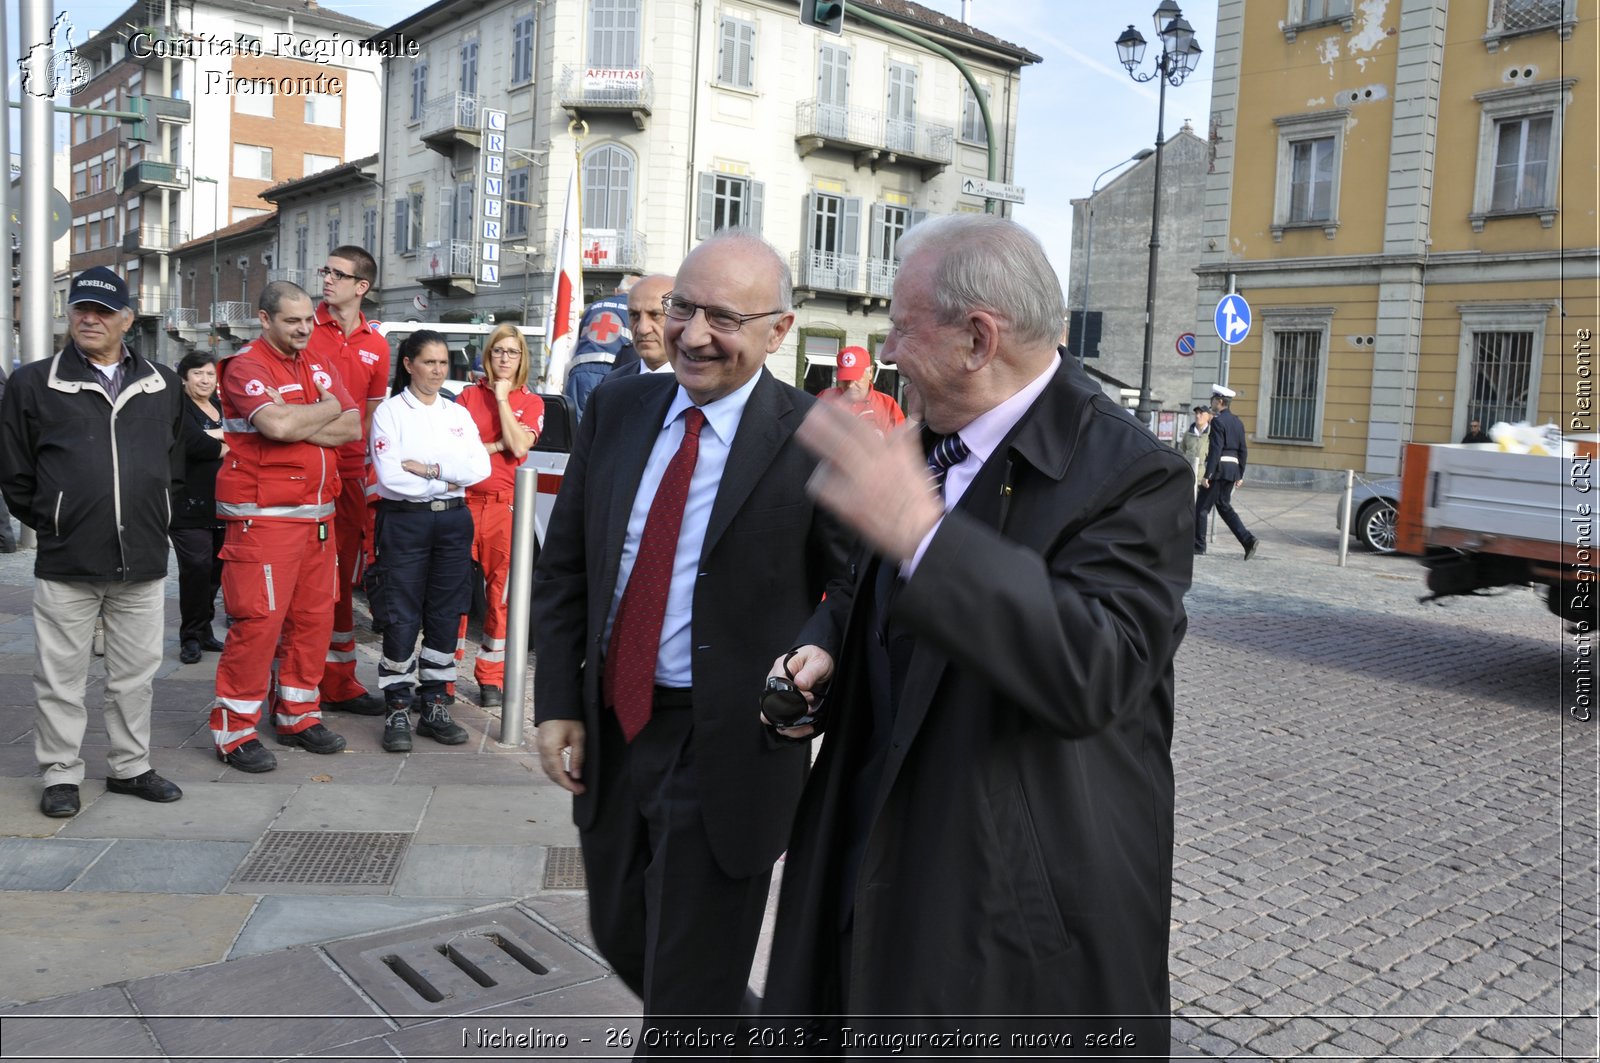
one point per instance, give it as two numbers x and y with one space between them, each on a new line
1019 858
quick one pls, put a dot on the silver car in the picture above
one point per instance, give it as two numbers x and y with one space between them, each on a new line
1376 505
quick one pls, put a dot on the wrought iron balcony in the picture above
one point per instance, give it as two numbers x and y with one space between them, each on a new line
452 119
880 276
232 312
180 317
303 277
872 137
587 92
1510 18
448 264
610 250
826 271
147 176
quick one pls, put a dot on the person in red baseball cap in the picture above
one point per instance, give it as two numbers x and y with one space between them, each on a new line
854 374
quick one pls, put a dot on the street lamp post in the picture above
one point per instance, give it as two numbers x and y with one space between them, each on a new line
1179 56
1088 244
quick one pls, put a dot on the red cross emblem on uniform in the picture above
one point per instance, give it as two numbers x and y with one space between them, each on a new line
604 326
380 444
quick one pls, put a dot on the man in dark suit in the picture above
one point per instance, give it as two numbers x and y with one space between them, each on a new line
682 554
1225 463
988 830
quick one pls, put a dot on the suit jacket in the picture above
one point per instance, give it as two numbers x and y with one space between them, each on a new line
1019 855
768 558
1227 440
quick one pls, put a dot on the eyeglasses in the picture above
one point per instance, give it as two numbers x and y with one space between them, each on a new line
506 352
723 320
337 274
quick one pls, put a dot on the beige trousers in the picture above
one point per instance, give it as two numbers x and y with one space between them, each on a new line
63 629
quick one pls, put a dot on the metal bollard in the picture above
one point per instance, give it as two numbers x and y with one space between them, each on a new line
524 540
1344 522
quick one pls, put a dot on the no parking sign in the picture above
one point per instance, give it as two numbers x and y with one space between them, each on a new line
1185 345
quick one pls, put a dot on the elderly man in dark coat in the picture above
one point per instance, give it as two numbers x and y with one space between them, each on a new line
989 828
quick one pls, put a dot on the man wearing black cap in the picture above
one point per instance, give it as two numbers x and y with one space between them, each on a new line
82 438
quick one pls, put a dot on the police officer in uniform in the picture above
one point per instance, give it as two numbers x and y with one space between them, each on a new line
425 454
1225 463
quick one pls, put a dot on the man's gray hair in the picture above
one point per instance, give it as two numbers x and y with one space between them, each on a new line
752 240
986 262
273 295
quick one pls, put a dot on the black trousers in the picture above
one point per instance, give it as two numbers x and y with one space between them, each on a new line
679 932
1219 494
199 579
426 557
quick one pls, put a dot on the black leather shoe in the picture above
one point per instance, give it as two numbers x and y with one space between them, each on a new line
190 652
211 644
490 697
397 730
1250 551
252 757
59 801
437 725
149 786
316 738
364 705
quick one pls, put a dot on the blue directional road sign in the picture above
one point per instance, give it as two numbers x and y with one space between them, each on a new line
1232 319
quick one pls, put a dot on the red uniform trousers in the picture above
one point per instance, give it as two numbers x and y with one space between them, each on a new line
491 548
278 579
352 532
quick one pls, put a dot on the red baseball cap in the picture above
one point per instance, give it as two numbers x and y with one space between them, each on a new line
853 363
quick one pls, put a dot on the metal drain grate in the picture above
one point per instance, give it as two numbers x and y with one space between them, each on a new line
328 857
563 868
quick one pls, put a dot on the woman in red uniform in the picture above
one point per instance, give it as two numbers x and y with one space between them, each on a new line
509 419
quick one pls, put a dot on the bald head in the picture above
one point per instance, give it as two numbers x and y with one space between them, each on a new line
648 320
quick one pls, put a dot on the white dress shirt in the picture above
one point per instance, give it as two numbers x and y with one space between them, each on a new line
982 435
404 428
674 662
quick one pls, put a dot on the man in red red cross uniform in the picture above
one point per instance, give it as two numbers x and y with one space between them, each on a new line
284 414
342 335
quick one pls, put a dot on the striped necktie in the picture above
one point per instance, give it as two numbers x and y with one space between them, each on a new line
948 451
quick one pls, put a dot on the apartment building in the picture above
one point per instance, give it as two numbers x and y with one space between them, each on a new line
681 118
240 97
1405 193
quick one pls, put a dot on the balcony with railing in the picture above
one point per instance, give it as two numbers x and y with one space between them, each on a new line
179 318
590 92
880 276
305 278
452 119
170 109
232 312
610 251
148 175
873 138
153 302
826 271
157 239
1514 18
447 265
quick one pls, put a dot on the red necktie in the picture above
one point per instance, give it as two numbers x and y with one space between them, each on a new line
630 671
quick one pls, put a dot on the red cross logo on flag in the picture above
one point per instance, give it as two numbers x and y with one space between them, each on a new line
604 326
596 254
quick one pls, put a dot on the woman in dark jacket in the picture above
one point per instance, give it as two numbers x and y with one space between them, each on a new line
196 532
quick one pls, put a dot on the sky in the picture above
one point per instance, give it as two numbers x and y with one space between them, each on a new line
1080 112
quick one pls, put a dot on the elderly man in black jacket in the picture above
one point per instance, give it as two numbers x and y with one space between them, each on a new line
88 460
988 830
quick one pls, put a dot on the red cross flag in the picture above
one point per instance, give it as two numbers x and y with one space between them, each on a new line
566 292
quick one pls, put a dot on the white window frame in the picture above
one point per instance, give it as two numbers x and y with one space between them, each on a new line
1565 22
1293 319
254 174
323 109
1309 14
972 129
729 33
258 104
322 163
1293 128
1498 317
1546 97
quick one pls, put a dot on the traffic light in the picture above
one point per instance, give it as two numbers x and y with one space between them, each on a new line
824 14
137 128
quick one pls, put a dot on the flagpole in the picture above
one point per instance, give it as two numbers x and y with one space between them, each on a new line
566 280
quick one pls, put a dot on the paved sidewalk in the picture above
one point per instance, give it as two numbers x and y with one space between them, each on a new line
1386 849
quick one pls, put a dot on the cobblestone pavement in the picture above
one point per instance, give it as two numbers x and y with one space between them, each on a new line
1386 834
